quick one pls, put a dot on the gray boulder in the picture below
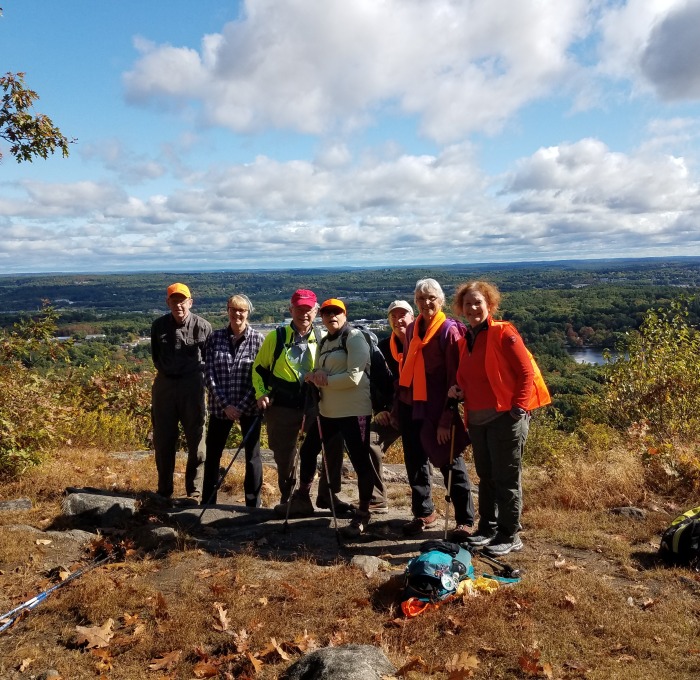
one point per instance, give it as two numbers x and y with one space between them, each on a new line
99 509
15 505
347 662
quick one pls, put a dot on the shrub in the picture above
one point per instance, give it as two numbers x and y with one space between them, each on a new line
655 376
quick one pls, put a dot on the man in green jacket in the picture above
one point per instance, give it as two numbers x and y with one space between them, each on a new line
278 382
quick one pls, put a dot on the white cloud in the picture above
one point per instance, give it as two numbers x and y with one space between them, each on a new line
579 199
329 67
654 45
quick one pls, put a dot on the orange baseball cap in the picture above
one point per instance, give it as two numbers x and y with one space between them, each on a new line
334 303
180 288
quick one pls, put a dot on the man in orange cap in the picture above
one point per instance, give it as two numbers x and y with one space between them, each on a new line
177 349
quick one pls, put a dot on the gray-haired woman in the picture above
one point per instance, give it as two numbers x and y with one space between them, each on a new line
428 425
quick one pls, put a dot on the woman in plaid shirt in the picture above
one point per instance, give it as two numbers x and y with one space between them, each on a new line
230 353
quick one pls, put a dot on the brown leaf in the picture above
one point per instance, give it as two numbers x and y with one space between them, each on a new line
241 641
292 590
569 600
273 649
104 659
461 666
254 662
263 601
24 665
165 662
648 603
161 611
530 663
95 636
415 664
222 620
205 669
626 657
130 619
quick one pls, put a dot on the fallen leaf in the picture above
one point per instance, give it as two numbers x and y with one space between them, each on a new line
165 662
263 601
43 541
222 620
461 666
648 603
104 659
161 607
274 649
24 665
95 636
415 664
626 657
569 600
240 639
304 643
559 563
254 662
130 619
295 592
205 669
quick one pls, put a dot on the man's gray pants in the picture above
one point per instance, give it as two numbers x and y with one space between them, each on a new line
175 401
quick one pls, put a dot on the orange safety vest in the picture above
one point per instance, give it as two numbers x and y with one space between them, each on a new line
501 378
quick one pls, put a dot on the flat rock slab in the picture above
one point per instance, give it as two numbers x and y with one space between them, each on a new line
346 662
99 510
15 505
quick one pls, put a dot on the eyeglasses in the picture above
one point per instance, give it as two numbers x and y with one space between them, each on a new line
332 312
427 298
181 303
237 310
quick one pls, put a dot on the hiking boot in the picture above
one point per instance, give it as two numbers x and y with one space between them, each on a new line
502 545
341 507
187 502
300 505
462 532
478 540
379 507
419 524
358 525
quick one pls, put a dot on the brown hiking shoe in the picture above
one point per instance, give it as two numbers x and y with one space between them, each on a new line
419 524
300 505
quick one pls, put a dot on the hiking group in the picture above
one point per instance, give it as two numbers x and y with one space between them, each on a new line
329 388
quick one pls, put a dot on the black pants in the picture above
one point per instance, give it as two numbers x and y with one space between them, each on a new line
217 434
419 478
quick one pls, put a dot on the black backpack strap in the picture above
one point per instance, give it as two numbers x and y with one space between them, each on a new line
266 373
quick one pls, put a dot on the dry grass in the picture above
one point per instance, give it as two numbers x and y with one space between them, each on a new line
593 601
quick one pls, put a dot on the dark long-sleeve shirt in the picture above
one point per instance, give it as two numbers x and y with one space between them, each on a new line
179 350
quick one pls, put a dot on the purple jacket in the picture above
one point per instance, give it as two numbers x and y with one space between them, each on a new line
441 357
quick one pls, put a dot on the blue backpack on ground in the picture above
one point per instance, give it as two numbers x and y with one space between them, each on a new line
435 574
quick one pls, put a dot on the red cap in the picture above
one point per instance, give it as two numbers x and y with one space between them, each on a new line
304 297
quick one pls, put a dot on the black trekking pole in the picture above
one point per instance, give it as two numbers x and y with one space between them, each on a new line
506 569
328 481
252 427
451 404
297 472
10 618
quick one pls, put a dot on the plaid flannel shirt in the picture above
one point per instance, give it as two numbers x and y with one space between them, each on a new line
228 374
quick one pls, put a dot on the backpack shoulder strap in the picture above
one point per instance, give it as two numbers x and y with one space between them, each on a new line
279 346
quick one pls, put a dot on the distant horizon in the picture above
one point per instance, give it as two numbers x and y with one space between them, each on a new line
476 265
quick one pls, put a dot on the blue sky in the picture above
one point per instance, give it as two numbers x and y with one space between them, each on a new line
298 133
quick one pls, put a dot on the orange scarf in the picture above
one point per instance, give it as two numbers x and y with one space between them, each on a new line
398 356
413 370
